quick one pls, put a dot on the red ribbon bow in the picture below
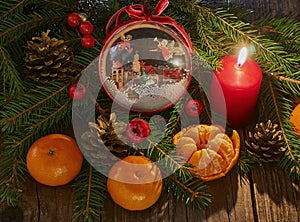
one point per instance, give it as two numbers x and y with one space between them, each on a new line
139 12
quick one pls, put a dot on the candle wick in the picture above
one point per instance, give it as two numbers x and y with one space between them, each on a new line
239 65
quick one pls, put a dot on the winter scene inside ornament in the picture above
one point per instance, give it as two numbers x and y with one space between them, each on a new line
145 67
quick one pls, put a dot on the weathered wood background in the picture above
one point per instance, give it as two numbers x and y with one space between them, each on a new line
266 195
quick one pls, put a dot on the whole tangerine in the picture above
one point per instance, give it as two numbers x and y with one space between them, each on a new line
54 159
134 183
295 119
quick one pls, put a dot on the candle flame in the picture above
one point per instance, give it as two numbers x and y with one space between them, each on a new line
242 57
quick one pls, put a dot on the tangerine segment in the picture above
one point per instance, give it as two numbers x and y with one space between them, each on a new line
186 147
207 162
134 183
54 160
222 144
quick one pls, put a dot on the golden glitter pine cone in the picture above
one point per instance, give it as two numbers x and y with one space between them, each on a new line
265 142
48 59
103 141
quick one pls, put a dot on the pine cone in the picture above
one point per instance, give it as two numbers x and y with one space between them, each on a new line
104 139
48 59
265 143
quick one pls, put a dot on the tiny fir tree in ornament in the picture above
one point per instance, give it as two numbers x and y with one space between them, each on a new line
265 142
48 59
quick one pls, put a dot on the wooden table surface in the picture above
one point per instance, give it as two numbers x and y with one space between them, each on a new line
267 194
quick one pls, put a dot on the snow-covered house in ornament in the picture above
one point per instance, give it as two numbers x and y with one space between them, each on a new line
118 74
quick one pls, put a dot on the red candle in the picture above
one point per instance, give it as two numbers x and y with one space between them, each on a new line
237 83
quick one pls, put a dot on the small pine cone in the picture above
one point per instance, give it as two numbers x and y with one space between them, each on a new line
48 59
265 143
102 144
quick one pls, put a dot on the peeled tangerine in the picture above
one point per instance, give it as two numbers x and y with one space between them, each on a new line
210 151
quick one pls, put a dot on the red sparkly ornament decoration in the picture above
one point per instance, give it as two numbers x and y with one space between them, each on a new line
194 107
77 91
86 28
74 20
88 41
137 130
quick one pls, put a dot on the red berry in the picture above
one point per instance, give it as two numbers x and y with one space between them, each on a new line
87 41
137 130
194 107
77 91
86 28
74 20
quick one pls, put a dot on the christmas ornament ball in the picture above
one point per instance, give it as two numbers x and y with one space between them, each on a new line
77 91
135 183
88 41
137 130
74 20
145 67
54 160
194 107
295 119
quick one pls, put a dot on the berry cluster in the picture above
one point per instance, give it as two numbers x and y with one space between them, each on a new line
85 28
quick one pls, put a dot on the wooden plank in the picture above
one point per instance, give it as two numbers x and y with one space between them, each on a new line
178 211
64 201
55 203
158 212
28 202
296 192
271 8
219 189
239 200
27 205
274 195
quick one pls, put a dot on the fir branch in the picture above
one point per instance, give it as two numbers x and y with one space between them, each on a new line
244 165
193 193
238 28
90 193
26 109
10 78
286 79
61 5
275 105
14 118
12 8
283 30
50 117
280 122
179 166
173 121
20 24
12 177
